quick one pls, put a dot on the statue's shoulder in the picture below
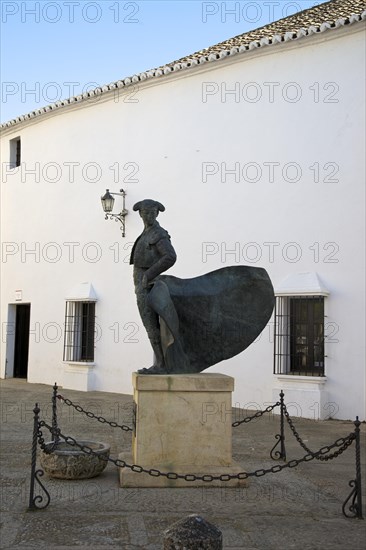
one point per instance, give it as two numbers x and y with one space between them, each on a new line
157 233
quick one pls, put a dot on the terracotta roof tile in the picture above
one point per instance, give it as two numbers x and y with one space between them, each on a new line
328 12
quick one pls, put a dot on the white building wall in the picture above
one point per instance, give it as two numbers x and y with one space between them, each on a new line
164 134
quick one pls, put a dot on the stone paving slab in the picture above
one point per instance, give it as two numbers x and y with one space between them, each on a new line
297 508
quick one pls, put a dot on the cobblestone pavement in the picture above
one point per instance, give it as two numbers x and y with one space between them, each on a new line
298 508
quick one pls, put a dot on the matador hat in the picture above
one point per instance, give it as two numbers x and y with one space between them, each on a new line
149 203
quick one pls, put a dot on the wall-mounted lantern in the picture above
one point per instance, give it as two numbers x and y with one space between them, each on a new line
108 203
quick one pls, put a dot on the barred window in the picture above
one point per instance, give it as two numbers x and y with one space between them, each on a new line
79 331
15 152
299 335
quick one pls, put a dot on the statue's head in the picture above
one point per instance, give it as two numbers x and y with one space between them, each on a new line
149 210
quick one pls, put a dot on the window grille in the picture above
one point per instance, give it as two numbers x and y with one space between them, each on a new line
15 152
79 331
299 335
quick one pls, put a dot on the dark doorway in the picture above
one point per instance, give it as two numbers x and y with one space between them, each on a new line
21 340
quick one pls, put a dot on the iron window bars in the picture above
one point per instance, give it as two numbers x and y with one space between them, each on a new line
299 335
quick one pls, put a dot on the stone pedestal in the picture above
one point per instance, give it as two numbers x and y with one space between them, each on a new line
183 425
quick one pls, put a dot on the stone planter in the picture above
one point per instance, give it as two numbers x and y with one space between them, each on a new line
69 462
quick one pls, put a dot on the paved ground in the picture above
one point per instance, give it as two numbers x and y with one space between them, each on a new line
298 508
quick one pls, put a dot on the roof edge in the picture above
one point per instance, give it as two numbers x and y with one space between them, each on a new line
188 64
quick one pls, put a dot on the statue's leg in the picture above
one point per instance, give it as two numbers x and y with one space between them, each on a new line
175 358
158 354
151 323
150 320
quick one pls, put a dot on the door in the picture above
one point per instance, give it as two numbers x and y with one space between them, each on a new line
21 344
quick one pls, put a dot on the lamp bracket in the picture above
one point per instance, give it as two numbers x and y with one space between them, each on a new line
120 217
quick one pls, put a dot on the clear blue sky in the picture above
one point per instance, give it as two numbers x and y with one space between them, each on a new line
53 49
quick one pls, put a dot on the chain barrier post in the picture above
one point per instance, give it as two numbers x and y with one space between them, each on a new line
281 454
55 436
355 507
282 427
358 468
33 500
36 411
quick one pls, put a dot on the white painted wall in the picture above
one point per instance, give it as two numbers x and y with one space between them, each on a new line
161 142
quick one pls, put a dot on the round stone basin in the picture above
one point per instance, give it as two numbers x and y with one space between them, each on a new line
69 462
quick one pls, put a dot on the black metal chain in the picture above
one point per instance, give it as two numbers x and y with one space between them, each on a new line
207 478
103 420
48 449
324 456
258 414
89 414
345 442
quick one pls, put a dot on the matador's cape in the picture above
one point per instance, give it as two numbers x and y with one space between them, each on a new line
207 319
